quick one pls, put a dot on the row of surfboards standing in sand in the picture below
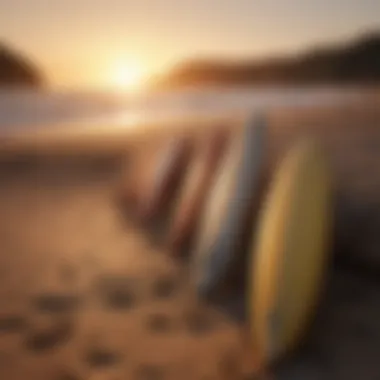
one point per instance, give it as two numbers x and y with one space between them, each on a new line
252 231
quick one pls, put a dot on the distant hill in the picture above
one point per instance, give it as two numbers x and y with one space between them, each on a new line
16 70
355 62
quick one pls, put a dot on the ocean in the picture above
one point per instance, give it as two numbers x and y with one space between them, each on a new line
26 111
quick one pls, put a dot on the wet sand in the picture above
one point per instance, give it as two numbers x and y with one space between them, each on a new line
85 294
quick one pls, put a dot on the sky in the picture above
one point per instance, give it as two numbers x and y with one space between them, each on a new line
101 43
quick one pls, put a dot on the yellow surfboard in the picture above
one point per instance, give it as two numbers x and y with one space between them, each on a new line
289 252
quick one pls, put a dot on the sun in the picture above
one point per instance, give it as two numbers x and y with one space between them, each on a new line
127 77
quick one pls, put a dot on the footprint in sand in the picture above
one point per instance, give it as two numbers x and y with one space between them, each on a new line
57 303
164 287
116 293
159 323
12 323
57 334
98 357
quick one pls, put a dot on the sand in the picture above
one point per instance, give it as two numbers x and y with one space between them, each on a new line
85 294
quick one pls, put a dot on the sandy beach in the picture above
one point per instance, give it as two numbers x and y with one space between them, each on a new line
86 295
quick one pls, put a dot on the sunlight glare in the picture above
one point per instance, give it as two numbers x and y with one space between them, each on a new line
127 77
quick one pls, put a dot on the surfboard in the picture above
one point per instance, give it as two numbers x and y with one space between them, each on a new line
227 209
162 185
289 251
195 188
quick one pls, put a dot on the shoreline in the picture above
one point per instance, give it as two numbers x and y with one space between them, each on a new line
112 134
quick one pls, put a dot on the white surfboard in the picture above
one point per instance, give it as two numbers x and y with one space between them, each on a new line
228 208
